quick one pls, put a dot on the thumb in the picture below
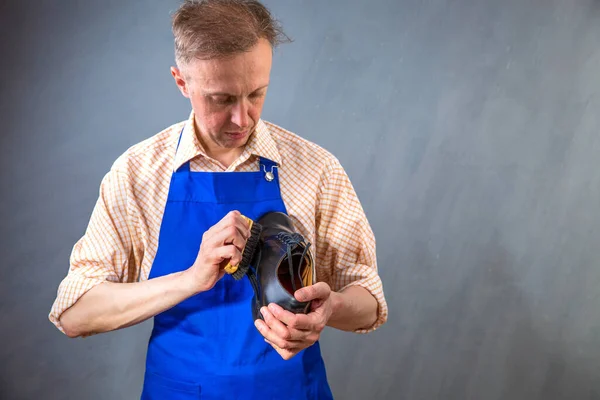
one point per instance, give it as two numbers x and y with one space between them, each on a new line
319 290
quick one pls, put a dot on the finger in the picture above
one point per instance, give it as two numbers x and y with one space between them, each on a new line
285 354
268 334
224 235
288 318
232 219
229 235
228 253
319 290
275 325
273 344
266 329
312 322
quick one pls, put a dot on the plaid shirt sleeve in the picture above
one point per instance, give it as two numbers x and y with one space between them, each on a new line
104 253
346 240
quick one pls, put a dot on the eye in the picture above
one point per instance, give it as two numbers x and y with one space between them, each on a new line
224 100
256 95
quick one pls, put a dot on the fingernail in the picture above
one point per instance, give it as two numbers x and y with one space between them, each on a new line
272 308
262 311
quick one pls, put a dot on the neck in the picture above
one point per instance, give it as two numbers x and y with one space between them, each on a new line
226 159
224 156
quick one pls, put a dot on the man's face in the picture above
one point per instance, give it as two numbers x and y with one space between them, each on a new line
227 95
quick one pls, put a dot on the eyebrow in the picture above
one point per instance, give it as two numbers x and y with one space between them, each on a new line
230 94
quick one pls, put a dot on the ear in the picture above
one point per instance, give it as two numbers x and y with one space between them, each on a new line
180 81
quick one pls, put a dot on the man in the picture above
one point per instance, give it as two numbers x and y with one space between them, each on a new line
164 225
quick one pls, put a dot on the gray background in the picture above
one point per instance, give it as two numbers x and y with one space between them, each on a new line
470 131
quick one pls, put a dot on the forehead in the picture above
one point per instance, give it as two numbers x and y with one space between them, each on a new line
237 73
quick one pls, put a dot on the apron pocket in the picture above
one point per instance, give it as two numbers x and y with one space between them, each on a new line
158 387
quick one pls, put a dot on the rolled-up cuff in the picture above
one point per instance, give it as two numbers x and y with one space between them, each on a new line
70 290
373 286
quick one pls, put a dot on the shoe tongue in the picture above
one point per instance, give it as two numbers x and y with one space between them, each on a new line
298 270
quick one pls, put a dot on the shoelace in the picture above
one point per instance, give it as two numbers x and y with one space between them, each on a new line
291 240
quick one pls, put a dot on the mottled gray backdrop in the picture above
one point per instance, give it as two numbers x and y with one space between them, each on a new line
469 129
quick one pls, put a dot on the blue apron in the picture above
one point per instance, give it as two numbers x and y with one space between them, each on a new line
207 347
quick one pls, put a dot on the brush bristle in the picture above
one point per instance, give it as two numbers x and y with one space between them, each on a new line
248 253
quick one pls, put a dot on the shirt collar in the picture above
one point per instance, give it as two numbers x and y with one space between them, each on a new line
259 144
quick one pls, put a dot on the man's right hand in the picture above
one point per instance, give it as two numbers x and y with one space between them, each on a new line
222 243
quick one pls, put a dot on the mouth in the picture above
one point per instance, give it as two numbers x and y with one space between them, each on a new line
237 135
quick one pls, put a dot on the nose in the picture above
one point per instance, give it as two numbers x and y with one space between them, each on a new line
239 114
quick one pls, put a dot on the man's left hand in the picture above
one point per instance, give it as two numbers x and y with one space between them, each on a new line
291 333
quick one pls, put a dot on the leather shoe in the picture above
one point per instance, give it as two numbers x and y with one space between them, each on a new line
283 264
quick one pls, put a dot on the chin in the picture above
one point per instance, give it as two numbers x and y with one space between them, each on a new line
234 140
